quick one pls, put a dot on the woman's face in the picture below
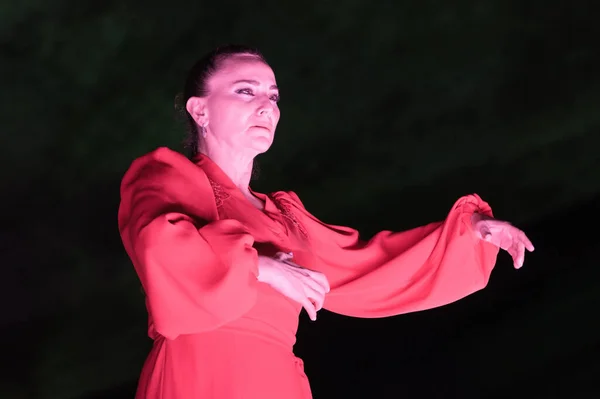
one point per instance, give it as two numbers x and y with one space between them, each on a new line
241 108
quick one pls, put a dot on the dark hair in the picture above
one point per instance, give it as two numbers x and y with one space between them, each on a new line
196 85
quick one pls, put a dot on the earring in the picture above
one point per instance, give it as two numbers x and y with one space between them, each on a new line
203 131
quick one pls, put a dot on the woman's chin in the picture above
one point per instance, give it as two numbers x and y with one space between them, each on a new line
261 143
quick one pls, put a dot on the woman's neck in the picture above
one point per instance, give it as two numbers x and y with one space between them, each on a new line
238 167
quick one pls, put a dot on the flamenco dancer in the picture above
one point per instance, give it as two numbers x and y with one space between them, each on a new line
227 270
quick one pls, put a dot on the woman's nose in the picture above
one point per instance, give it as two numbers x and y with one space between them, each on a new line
265 107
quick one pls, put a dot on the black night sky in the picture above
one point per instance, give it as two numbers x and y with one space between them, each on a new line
390 111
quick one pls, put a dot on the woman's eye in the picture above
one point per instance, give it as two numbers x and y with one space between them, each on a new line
244 91
249 92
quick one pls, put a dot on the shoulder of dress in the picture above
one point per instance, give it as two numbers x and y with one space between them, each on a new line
175 177
161 156
164 166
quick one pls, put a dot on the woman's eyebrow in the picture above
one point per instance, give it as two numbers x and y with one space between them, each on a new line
254 82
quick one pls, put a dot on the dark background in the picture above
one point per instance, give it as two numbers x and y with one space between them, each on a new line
390 112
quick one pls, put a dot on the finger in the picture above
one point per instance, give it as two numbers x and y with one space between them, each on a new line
311 283
512 250
298 271
517 252
527 242
321 279
310 308
293 265
520 254
317 297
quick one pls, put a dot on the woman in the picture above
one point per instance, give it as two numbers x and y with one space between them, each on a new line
227 270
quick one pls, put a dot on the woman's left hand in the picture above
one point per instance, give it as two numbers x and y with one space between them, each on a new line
503 235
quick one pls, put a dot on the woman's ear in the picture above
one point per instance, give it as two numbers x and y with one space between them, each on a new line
196 106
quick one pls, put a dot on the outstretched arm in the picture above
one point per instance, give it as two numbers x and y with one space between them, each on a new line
401 272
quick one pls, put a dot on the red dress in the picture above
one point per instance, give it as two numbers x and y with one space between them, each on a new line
218 332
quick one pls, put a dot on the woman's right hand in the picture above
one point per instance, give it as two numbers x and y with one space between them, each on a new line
304 286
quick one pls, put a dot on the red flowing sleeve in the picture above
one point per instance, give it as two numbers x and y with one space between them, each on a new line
197 272
401 272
